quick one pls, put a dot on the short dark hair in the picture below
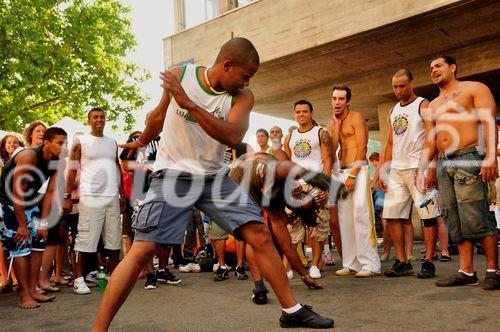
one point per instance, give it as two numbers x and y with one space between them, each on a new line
448 59
239 50
52 132
345 88
303 102
95 109
262 130
404 72
374 156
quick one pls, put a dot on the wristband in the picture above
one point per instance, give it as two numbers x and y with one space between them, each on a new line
139 141
352 177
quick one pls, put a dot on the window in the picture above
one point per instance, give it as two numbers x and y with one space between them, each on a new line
199 11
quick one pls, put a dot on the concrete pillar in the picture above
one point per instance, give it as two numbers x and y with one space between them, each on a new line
179 19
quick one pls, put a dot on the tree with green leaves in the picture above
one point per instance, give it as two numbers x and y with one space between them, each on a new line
61 57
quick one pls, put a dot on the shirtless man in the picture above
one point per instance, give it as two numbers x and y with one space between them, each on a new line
209 110
356 214
263 176
466 163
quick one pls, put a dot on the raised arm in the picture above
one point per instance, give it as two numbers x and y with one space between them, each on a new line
230 132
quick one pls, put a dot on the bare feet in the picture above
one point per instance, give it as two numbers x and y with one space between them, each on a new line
27 302
49 289
42 298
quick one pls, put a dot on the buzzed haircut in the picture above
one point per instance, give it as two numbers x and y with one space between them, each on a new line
345 88
262 130
52 132
303 102
95 109
448 59
239 50
404 72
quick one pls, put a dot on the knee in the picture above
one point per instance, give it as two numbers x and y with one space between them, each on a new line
258 236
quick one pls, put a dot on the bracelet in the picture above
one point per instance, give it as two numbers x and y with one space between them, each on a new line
352 177
139 141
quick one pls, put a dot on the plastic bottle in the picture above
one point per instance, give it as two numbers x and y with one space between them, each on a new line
101 279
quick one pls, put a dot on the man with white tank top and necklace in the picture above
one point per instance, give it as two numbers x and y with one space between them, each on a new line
202 111
310 146
100 189
402 153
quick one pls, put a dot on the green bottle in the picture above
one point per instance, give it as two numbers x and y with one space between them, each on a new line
101 279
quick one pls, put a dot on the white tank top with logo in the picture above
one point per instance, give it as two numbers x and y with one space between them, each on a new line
306 149
408 135
185 146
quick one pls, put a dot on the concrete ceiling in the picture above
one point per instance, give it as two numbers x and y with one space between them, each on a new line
356 58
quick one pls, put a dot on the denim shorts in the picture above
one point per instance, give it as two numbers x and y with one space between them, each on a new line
465 197
163 216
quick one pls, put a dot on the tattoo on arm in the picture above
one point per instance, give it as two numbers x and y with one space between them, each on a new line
325 140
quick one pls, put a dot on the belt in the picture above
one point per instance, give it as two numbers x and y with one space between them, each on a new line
459 152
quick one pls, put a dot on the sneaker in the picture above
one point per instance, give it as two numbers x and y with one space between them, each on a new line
215 267
221 274
259 297
400 269
305 317
240 273
151 281
491 281
345 272
91 279
328 258
366 274
445 258
172 279
190 267
427 271
458 279
289 274
314 272
80 287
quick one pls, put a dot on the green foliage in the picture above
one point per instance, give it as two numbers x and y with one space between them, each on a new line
61 57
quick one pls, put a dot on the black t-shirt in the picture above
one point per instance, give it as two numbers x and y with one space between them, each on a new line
36 178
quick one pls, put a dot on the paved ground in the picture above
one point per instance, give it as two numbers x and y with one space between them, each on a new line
377 304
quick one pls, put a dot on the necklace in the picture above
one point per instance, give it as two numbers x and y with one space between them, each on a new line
210 86
345 117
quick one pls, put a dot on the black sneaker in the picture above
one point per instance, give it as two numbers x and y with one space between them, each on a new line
162 276
150 281
259 297
172 279
491 281
427 271
445 258
400 269
458 279
221 274
305 317
240 273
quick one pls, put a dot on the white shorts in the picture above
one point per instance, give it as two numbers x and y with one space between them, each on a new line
402 193
99 215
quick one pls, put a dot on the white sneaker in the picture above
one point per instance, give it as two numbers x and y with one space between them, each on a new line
215 267
91 279
314 272
80 287
191 267
289 274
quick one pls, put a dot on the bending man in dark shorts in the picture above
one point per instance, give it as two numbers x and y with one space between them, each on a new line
208 111
263 177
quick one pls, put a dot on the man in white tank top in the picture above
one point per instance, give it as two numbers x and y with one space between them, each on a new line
309 146
402 153
100 190
209 110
